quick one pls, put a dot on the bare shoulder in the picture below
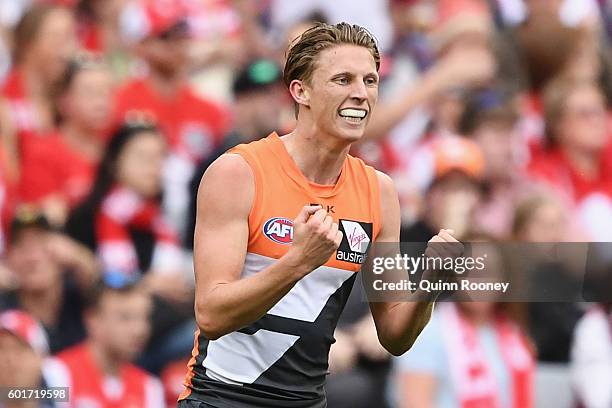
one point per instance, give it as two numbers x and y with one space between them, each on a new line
228 183
390 208
387 186
228 167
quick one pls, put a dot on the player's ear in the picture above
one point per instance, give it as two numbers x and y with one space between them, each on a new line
299 92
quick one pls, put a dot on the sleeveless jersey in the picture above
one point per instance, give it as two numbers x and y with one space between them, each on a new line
281 360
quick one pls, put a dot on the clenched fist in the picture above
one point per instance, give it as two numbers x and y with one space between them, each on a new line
315 237
444 245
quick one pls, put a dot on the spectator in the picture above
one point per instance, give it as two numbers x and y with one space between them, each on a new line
44 41
23 346
461 40
121 220
542 219
52 274
58 171
577 161
470 354
193 126
259 97
491 120
454 193
591 358
99 371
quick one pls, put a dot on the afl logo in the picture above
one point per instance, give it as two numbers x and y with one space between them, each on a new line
279 230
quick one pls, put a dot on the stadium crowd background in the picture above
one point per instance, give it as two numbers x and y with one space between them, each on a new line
493 119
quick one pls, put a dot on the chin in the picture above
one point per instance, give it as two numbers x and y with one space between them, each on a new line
350 135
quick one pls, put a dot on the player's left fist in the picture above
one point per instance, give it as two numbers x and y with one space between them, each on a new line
444 245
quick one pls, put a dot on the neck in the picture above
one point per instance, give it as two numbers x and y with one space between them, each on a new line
320 157
104 360
34 83
82 140
245 128
43 304
166 85
586 162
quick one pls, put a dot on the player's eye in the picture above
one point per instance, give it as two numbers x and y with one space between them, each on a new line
342 80
371 81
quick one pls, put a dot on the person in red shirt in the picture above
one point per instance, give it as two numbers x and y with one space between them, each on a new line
193 126
99 371
44 40
577 160
57 172
23 346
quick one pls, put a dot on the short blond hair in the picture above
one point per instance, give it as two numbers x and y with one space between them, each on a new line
303 51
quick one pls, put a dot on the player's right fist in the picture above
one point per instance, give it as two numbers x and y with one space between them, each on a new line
315 237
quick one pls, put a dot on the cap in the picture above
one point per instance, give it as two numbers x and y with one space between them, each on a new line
23 326
458 154
28 217
257 75
142 19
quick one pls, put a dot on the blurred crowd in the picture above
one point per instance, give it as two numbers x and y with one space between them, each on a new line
493 120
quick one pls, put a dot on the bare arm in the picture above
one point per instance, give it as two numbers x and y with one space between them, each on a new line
465 66
226 302
77 258
397 323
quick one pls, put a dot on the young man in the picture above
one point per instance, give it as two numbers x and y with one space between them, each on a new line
269 289
193 126
52 275
99 371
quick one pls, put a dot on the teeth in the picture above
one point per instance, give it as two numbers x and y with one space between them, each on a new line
353 113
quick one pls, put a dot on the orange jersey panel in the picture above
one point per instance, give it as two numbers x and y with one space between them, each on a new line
281 190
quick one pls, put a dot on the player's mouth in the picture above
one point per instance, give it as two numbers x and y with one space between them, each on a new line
353 115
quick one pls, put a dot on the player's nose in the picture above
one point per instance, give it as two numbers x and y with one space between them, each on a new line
359 90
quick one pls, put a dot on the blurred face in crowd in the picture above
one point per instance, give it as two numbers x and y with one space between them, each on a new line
261 109
498 142
54 44
167 54
120 324
20 366
139 165
583 123
30 257
88 99
547 222
451 201
344 83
